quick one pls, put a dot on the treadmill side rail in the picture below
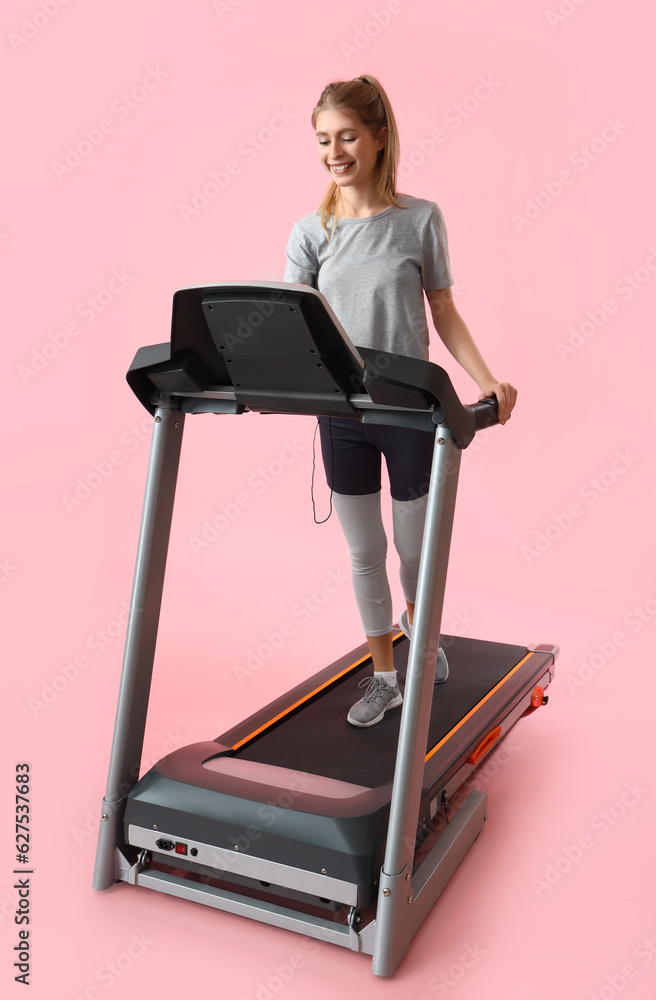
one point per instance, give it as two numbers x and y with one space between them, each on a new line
444 792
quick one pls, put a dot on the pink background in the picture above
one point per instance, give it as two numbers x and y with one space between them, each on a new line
573 467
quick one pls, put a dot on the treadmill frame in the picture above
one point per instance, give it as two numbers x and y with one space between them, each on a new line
405 896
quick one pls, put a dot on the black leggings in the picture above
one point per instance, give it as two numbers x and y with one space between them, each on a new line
352 457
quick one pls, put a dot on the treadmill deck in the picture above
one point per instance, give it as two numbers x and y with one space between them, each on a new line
316 737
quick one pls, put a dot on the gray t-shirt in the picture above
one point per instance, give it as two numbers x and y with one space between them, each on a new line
373 272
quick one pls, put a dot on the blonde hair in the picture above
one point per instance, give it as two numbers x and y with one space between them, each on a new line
363 98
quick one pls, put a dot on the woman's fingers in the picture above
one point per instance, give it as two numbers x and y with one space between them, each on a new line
506 397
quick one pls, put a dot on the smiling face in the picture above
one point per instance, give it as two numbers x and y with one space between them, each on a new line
347 149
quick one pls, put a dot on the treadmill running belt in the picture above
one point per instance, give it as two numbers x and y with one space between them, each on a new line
316 738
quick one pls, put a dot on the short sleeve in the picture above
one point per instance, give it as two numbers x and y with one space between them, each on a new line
301 267
435 268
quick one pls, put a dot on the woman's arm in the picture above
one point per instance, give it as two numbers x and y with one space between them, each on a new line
455 336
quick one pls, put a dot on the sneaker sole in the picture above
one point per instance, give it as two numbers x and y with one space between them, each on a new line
363 725
402 627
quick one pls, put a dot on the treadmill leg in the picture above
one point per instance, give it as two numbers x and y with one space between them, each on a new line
394 929
141 637
413 900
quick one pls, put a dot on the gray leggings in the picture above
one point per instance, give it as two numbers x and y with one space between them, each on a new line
362 524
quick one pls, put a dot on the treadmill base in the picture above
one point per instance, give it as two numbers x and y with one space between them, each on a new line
411 894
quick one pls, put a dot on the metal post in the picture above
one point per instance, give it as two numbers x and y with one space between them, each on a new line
393 924
141 637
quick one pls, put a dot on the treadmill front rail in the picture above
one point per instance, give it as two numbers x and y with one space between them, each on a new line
248 865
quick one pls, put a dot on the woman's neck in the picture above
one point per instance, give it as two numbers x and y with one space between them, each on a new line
358 204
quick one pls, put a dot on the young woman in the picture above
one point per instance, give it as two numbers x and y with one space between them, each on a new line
374 253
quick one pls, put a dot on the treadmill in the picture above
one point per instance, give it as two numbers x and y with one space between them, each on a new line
294 817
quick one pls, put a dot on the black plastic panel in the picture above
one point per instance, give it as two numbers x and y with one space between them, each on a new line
281 349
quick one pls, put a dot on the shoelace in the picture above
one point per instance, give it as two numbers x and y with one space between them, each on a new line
374 687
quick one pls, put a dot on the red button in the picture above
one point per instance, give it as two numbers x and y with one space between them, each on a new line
180 848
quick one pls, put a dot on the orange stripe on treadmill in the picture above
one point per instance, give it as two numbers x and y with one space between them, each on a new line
476 707
307 697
